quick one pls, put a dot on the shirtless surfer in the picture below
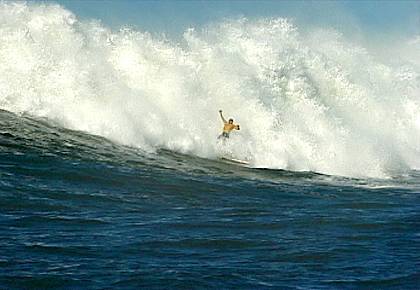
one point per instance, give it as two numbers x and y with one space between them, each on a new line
227 127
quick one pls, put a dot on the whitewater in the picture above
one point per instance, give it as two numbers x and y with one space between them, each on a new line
307 99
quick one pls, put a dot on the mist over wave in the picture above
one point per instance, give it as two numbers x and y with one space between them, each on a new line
305 101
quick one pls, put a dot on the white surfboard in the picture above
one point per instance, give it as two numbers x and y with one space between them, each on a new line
234 160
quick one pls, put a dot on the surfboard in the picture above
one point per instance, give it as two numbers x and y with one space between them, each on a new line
236 161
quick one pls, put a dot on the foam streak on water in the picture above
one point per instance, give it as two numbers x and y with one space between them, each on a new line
306 101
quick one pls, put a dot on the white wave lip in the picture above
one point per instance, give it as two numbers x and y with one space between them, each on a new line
304 101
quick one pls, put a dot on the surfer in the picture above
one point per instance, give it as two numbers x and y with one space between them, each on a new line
227 127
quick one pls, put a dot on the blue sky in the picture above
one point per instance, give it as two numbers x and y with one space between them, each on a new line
172 17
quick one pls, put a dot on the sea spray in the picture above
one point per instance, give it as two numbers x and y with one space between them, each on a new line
305 101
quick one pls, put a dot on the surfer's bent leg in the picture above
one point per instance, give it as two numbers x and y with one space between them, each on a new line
224 135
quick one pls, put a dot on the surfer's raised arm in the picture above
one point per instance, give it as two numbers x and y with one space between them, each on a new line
227 127
221 116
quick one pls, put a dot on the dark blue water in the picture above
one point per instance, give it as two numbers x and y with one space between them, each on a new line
80 212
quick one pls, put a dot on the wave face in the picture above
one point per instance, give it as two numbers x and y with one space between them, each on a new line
305 101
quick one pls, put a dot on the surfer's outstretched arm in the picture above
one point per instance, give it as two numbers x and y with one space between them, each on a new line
221 116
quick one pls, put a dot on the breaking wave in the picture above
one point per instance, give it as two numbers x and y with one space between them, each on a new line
305 100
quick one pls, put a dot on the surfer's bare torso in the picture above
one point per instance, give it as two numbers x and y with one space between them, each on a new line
228 126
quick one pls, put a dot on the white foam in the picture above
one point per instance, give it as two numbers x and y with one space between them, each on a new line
304 101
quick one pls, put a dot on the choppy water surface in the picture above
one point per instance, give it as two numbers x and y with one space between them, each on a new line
77 211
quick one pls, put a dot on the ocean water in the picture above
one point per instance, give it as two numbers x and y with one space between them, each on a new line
78 211
111 174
